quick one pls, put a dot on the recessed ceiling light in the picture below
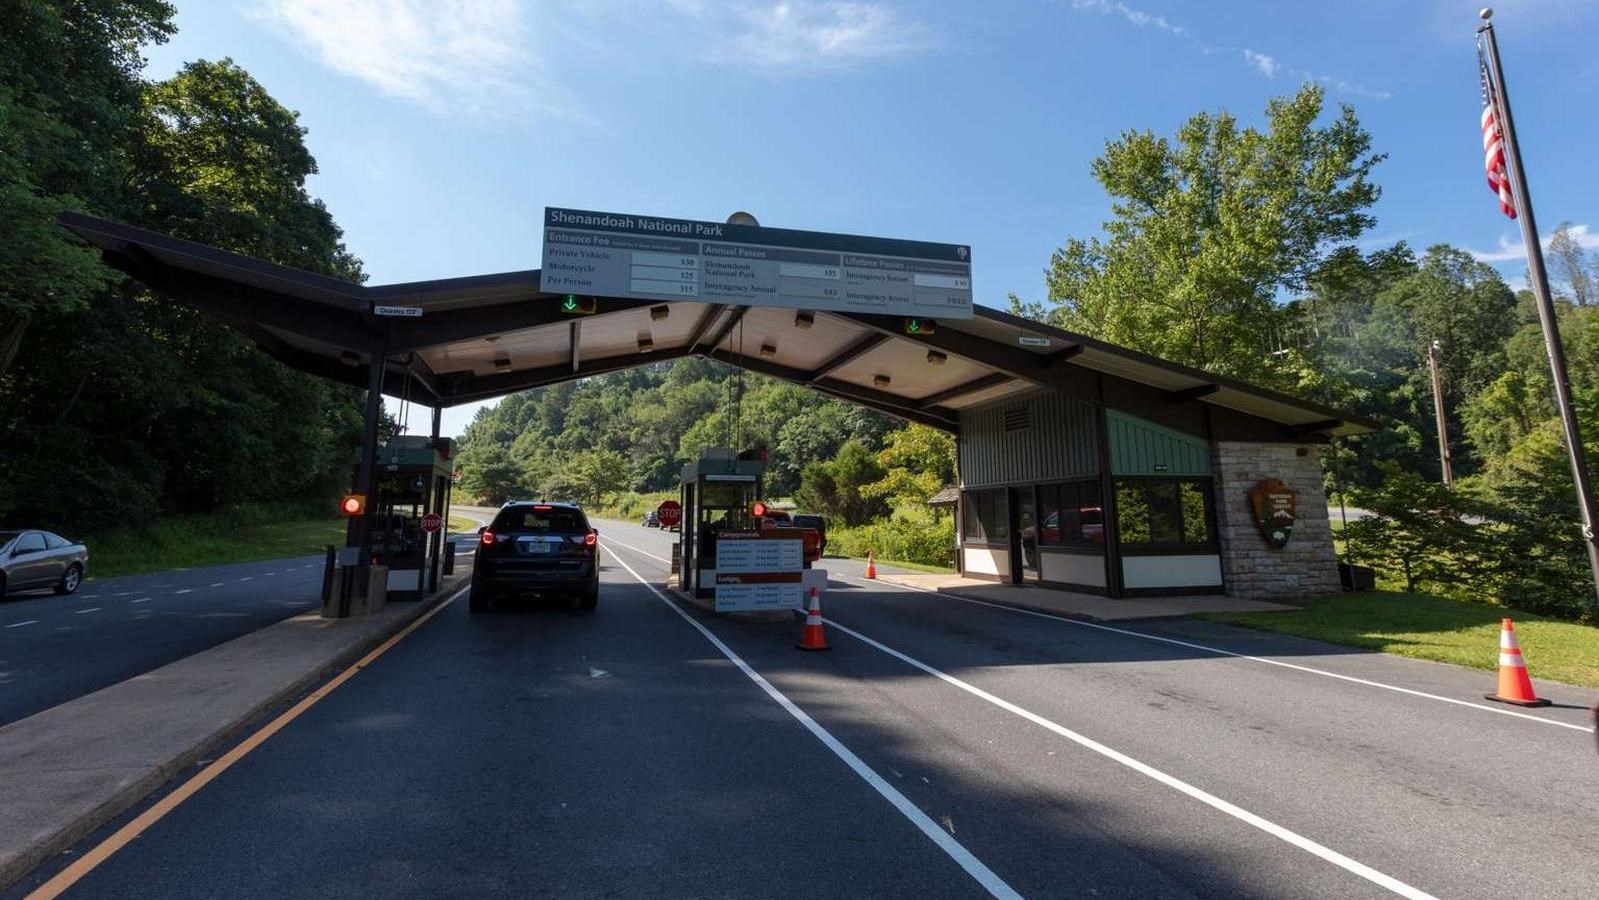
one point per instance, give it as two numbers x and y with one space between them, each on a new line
804 319
936 358
881 380
349 358
502 363
660 312
645 343
768 349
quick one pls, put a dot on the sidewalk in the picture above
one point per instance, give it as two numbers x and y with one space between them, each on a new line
68 770
1065 603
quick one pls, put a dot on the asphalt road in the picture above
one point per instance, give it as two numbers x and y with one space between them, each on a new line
54 649
943 748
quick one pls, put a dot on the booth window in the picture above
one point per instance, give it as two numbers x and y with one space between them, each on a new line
984 517
1070 514
1164 512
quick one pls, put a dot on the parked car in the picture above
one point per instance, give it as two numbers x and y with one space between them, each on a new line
817 524
40 559
537 548
651 520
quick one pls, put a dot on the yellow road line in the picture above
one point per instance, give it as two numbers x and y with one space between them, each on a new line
125 835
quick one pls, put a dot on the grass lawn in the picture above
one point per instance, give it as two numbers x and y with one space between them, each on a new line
183 542
462 524
1427 627
900 564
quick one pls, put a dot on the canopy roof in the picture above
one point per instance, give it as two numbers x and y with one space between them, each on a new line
484 336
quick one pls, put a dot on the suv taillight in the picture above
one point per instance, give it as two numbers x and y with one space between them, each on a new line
590 539
488 537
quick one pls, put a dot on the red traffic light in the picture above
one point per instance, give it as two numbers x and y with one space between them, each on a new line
759 509
352 505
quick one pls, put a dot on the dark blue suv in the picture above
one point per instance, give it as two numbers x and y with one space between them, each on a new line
537 548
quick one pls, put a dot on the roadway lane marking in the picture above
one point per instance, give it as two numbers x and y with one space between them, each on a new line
217 584
1220 652
638 551
963 857
20 624
184 591
140 600
1211 800
130 832
89 610
248 578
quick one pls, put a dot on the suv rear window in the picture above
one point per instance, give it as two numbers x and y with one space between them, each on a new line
527 518
809 522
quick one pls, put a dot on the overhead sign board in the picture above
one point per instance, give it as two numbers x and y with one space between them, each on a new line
404 312
651 258
756 572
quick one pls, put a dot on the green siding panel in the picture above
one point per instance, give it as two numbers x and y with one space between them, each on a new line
1059 441
1139 447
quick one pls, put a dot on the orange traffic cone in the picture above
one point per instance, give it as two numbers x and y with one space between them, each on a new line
1514 685
871 567
812 638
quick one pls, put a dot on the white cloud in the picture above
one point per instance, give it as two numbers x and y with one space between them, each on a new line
1267 65
482 56
1264 63
447 55
801 37
1511 250
1138 18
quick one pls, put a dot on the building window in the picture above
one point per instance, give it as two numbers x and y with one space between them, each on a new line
984 517
1071 514
1167 513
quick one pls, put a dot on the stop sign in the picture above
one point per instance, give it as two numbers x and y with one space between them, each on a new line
670 512
432 522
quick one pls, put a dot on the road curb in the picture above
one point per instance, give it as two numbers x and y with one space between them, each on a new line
57 839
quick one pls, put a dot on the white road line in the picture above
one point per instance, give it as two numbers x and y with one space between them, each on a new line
20 624
217 584
248 578
962 857
1220 652
140 600
89 610
1211 800
271 573
184 591
638 551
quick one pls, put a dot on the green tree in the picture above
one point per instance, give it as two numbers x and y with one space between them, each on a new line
917 462
1421 531
587 477
1209 227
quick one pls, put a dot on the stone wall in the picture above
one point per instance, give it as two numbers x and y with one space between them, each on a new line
1250 567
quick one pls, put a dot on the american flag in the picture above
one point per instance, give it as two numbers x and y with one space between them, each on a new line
1493 145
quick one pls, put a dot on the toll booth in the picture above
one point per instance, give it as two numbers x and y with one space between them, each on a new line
717 491
413 480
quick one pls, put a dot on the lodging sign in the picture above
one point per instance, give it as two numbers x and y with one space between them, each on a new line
650 258
756 571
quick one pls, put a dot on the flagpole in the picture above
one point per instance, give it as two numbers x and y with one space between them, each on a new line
1546 309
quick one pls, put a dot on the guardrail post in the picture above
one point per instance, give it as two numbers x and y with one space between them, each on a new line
327 574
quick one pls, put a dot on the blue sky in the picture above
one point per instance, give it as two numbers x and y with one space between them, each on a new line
443 127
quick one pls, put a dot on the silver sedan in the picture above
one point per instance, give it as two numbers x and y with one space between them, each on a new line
40 559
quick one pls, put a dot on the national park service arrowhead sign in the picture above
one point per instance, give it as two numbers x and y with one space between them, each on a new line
1273 505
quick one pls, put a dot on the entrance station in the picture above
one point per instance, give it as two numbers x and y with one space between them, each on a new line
413 481
1082 465
717 491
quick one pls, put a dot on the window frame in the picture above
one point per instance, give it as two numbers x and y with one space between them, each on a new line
1074 488
985 508
1207 486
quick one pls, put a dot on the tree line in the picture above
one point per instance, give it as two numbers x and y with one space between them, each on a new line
117 405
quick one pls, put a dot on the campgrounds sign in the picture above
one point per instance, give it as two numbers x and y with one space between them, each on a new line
1273 504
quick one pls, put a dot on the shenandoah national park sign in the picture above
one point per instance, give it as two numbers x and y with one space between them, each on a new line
1273 505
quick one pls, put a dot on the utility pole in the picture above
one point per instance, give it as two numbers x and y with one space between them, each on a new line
1539 280
1444 458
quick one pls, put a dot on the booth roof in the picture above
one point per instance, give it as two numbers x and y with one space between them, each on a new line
484 336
